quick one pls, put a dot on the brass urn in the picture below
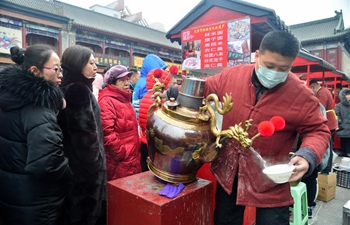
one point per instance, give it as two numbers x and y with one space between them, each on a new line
183 134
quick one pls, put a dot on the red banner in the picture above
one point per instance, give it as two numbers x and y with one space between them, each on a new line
215 46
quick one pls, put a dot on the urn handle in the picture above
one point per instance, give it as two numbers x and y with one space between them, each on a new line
157 87
222 109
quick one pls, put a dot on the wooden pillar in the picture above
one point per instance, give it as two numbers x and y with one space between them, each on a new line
308 75
130 56
24 35
103 44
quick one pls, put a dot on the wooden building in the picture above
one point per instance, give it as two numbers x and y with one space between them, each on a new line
328 34
113 40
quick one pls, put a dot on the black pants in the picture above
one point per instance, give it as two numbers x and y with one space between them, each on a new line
311 187
144 155
328 169
345 145
228 213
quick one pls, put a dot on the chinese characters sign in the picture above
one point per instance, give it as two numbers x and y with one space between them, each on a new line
216 46
109 60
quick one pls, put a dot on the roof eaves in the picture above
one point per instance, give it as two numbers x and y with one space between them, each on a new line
82 19
30 11
204 5
310 23
84 26
308 56
336 36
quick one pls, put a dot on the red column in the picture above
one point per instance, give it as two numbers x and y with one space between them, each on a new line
103 47
130 57
339 58
24 34
308 76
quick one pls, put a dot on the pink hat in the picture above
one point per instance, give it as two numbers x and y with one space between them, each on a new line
116 72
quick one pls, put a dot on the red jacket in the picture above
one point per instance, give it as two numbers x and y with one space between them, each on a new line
120 129
147 100
326 99
301 111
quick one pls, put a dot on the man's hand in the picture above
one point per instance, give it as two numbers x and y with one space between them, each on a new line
301 167
160 94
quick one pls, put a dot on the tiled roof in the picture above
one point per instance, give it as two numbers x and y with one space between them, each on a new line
274 21
328 28
322 62
98 21
41 5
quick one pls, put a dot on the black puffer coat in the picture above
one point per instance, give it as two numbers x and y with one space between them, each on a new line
342 110
33 169
83 144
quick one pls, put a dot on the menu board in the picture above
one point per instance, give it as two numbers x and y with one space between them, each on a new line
216 46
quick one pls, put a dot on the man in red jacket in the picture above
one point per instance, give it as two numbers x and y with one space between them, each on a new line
326 99
260 92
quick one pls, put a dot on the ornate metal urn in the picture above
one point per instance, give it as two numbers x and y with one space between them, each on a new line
183 134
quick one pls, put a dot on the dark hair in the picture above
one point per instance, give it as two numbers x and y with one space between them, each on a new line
134 70
36 55
106 69
313 81
280 42
75 58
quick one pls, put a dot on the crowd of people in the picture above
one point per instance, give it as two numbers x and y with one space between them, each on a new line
67 130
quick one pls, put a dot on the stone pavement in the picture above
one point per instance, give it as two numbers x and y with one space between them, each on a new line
331 213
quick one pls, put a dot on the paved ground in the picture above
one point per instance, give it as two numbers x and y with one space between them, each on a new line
330 213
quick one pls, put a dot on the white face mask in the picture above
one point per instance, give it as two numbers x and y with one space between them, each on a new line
270 78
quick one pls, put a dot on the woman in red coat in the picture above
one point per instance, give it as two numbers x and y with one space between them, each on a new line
120 128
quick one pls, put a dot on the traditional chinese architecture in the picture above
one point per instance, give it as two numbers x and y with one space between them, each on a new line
327 39
233 16
114 40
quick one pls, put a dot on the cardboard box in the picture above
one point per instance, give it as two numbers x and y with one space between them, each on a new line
326 186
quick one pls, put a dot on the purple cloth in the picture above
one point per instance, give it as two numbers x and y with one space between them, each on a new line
171 191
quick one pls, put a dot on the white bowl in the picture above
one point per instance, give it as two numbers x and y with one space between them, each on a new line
279 173
191 63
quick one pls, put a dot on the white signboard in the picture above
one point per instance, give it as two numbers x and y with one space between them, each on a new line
9 38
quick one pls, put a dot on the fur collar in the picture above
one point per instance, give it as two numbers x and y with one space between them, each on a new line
342 96
19 88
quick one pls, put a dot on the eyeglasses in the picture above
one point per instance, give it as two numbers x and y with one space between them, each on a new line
57 70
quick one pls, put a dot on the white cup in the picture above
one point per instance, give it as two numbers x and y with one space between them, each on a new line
345 162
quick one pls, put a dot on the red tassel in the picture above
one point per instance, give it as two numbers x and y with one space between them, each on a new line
266 128
278 122
158 73
173 69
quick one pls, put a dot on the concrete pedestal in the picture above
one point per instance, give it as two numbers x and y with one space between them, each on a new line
135 200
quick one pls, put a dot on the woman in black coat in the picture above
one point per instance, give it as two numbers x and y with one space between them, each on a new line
83 139
342 110
34 172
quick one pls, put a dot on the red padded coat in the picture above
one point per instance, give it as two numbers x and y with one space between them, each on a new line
326 99
120 129
301 111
